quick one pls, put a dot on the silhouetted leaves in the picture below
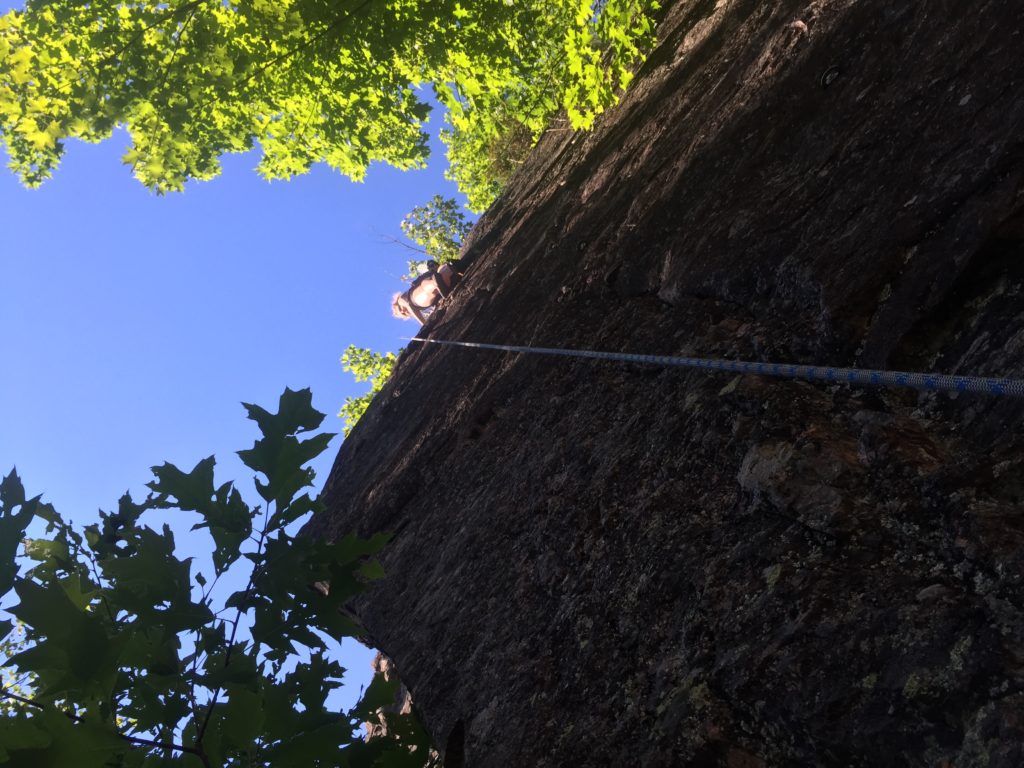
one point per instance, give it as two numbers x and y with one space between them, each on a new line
128 662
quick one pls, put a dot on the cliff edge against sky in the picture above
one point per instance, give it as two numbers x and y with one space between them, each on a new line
603 564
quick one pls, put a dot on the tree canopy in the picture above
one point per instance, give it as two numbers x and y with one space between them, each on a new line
307 80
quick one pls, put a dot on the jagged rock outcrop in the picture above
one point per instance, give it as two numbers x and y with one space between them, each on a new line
379 725
610 565
402 705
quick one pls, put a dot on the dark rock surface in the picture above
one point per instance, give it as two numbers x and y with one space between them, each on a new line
609 565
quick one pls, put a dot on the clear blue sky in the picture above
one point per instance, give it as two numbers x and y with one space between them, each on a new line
134 325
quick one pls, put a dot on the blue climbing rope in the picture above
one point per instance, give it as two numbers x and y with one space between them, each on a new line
932 382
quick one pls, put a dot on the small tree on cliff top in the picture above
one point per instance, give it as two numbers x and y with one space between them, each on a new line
438 227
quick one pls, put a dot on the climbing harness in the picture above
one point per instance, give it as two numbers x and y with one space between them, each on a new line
932 382
444 281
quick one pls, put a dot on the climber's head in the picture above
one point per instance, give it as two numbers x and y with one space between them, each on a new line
400 306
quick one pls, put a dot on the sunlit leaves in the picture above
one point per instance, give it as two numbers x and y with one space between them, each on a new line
577 56
193 80
438 227
364 365
124 659
306 80
602 54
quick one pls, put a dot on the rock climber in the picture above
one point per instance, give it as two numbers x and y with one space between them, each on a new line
433 284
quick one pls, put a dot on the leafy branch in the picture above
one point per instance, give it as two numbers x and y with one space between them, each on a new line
364 365
162 745
309 81
109 685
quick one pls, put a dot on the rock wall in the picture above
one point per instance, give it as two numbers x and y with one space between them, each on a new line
609 565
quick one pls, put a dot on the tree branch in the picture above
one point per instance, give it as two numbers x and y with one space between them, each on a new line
169 14
396 241
234 628
305 46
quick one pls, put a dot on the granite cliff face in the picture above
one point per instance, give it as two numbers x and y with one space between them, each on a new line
608 565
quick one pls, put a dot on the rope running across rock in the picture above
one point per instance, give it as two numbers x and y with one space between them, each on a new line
856 377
